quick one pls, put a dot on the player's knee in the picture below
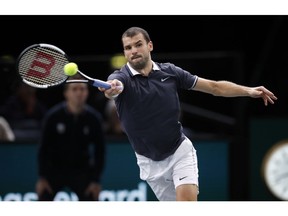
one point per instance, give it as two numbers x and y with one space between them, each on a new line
187 192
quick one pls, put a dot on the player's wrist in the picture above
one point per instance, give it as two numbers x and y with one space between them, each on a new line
110 96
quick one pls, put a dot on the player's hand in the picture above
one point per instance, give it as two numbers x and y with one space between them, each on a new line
93 190
265 94
116 88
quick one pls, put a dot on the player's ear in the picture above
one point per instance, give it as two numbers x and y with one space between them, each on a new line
150 45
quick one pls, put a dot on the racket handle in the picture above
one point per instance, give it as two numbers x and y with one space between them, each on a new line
101 84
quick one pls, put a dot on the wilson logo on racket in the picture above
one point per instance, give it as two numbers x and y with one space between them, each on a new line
41 65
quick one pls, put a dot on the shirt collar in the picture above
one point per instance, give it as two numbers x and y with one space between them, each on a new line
134 72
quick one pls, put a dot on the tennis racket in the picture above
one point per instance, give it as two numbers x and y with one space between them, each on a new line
42 66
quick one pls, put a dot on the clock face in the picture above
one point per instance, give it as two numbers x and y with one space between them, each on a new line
275 170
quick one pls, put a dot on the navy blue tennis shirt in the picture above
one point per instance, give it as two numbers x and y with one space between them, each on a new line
149 108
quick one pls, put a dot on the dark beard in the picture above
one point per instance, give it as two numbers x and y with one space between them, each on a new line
139 65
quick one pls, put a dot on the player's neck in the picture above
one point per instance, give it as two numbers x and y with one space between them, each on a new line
147 70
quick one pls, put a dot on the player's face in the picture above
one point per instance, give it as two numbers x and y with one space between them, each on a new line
77 93
137 51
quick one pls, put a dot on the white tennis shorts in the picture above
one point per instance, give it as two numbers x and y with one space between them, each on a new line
164 176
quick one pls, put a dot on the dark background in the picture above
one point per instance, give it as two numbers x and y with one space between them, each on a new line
246 49
257 43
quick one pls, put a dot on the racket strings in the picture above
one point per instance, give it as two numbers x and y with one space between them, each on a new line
43 66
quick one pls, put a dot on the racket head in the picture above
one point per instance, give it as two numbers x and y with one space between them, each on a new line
41 65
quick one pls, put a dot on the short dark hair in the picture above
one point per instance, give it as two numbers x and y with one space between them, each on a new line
132 31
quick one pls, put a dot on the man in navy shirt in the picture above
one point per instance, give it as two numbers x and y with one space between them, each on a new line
148 106
72 148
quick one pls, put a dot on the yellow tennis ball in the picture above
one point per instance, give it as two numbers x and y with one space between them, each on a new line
70 69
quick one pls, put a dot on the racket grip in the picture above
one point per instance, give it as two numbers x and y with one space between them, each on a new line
101 84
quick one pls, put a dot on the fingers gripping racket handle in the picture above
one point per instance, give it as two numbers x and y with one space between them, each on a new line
101 84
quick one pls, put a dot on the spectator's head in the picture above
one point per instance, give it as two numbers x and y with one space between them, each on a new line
76 95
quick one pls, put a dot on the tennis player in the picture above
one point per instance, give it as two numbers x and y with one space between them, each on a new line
148 107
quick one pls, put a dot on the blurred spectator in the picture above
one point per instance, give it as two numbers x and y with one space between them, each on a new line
8 74
24 111
6 133
72 149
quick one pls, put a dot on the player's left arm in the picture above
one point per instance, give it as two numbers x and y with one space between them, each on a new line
230 89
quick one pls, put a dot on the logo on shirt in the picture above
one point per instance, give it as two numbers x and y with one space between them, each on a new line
164 79
61 128
183 178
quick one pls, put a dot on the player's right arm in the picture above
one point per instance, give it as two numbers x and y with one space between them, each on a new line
116 89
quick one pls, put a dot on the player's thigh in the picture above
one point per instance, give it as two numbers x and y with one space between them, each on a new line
163 188
185 169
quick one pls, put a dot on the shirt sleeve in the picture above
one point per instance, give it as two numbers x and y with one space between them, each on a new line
185 79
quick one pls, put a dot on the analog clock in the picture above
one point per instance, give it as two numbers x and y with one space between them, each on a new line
275 170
